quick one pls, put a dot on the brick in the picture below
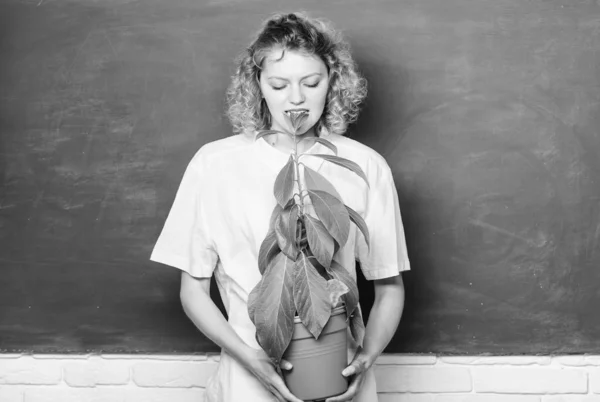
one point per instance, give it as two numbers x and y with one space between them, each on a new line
199 357
387 359
61 357
486 398
422 379
28 370
529 380
97 371
578 361
405 397
497 360
595 380
173 374
571 360
571 398
457 359
11 393
11 355
112 394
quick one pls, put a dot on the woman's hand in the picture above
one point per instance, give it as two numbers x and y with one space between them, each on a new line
383 321
198 305
356 370
269 375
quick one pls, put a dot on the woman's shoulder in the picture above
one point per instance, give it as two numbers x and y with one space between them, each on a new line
358 152
221 150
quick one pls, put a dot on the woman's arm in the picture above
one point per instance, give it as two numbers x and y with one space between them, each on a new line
383 322
202 311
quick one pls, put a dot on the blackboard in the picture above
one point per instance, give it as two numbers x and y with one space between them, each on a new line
487 111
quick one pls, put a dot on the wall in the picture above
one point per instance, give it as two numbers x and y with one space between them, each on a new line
401 378
488 113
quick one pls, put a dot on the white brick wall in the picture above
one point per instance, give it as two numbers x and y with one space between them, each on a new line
401 378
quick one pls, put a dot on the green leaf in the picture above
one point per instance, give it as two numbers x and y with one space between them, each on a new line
284 183
357 326
336 290
285 231
319 240
296 118
341 274
268 250
311 296
274 215
263 133
316 181
359 222
332 213
315 263
271 307
323 141
348 164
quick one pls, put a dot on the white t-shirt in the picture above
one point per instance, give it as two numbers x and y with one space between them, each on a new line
221 215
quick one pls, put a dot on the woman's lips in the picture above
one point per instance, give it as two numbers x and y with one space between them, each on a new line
296 113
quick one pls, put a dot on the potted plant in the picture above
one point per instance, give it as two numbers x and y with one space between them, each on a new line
305 299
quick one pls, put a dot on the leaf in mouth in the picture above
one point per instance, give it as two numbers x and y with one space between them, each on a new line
297 118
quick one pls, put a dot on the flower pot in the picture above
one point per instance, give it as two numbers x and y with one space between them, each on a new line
318 364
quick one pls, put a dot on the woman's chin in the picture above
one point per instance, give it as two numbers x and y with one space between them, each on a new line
306 132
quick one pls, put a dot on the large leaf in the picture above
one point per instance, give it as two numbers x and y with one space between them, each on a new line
316 181
311 296
271 307
275 215
285 231
359 222
268 250
351 297
284 183
319 240
357 326
353 312
348 164
324 272
337 289
323 141
332 213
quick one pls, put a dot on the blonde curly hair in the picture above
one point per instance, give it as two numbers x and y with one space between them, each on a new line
248 111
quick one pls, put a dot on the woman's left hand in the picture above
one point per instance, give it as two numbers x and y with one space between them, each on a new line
356 370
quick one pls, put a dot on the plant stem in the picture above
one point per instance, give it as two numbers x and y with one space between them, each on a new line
297 172
300 190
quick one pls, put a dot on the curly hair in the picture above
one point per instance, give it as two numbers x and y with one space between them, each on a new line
248 111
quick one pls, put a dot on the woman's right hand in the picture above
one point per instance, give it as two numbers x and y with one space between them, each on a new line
265 371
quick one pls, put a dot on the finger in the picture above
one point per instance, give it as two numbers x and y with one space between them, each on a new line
285 392
353 388
284 364
354 368
349 394
275 391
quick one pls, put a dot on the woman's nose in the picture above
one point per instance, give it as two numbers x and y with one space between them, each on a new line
296 96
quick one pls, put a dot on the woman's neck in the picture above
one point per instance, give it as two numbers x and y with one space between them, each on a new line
285 142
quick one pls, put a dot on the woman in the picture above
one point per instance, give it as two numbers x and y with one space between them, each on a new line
222 208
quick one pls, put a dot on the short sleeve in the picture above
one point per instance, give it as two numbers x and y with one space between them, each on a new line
185 240
387 254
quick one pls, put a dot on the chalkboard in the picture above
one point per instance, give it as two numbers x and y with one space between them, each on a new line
487 111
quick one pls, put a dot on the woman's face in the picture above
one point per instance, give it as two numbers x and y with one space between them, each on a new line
294 82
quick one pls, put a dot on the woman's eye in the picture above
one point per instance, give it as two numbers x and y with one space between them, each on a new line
278 88
316 84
